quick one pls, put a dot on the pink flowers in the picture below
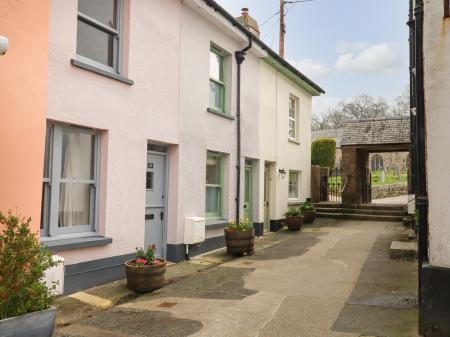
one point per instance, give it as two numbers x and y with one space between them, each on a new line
141 261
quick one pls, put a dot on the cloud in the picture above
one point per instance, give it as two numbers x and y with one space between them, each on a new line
343 47
366 59
321 104
313 68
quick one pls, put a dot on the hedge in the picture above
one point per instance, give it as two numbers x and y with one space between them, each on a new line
323 152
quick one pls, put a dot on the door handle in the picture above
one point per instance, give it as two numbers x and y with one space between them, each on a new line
161 215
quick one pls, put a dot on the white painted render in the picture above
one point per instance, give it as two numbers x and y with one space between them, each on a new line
437 107
167 56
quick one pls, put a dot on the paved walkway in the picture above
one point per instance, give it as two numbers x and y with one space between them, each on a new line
332 279
398 200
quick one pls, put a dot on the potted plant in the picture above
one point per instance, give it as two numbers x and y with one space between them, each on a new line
146 272
294 219
308 212
25 298
240 237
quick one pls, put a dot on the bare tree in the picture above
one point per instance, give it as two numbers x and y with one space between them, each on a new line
365 107
401 107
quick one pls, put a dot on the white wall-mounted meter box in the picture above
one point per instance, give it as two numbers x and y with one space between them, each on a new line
194 230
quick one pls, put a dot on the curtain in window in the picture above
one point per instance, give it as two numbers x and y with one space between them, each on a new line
76 173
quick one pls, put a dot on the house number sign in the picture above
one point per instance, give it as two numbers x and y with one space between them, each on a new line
150 165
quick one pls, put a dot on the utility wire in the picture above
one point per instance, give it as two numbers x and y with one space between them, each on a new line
265 21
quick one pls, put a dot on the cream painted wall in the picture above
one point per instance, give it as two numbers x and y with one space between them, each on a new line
128 116
202 131
437 107
275 145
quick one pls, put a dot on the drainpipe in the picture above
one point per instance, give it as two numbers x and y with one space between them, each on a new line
420 158
240 58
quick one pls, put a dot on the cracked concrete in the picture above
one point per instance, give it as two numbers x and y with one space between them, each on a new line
333 279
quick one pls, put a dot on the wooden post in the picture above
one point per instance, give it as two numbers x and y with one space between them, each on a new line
282 29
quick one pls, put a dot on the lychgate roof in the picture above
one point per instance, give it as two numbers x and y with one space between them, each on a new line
377 131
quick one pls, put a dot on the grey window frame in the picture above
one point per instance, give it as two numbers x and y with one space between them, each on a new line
50 205
118 39
219 158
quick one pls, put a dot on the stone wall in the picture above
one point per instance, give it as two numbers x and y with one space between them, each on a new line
384 191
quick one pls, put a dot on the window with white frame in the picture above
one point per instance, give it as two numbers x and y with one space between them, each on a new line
217 87
214 185
294 185
99 33
293 118
70 185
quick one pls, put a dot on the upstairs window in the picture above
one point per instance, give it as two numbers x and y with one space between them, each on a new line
217 80
293 118
98 33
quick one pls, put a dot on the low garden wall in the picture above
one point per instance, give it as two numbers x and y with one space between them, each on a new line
392 190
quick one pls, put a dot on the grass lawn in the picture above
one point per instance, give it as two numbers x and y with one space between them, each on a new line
389 178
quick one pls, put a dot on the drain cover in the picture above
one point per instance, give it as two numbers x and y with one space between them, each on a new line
167 304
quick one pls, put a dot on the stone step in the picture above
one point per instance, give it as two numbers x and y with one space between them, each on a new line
401 250
362 206
360 216
362 211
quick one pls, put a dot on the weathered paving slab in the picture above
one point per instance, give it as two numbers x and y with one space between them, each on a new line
332 279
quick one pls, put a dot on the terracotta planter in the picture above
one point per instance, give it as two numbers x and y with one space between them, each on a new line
240 242
309 216
294 223
35 324
145 278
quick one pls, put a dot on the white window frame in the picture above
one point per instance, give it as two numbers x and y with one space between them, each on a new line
298 174
118 37
295 119
218 51
50 201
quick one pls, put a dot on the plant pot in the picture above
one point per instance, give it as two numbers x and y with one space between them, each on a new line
240 242
145 278
308 216
294 223
34 324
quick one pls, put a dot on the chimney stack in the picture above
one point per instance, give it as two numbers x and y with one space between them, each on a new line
248 22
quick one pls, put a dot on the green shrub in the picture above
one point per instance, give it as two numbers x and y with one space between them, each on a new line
292 212
243 225
323 152
23 262
307 207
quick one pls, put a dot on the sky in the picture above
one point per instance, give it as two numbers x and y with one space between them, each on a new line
348 47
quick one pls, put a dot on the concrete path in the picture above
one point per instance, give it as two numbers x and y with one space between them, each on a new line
398 200
332 279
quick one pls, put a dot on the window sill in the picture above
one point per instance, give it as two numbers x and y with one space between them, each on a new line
294 202
58 245
220 113
99 71
295 141
216 223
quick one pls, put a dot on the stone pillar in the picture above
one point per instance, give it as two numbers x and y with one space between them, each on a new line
315 183
354 164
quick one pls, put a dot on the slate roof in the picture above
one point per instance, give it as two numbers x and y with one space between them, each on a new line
330 133
377 131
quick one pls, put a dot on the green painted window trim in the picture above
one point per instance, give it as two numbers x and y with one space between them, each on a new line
219 158
220 83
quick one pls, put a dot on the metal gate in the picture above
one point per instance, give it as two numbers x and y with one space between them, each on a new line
331 186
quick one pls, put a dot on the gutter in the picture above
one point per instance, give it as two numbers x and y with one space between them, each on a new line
214 5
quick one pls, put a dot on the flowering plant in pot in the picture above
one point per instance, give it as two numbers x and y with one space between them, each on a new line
240 237
308 212
146 271
25 298
294 219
